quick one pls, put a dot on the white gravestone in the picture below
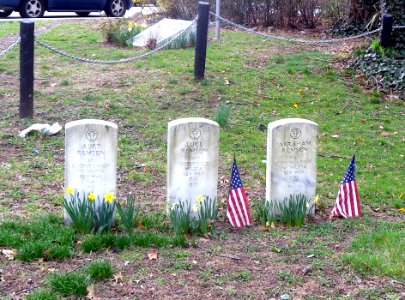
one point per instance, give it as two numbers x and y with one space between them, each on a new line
192 160
291 159
91 157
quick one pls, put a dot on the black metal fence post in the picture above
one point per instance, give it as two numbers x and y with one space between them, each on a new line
385 36
27 69
201 40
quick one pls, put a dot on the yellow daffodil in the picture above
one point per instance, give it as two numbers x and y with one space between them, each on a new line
91 197
196 207
70 191
296 105
316 199
200 198
402 209
109 197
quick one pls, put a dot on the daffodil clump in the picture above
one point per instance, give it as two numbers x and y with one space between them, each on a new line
206 210
128 214
293 210
179 217
84 214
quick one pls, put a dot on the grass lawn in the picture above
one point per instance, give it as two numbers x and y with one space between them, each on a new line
260 81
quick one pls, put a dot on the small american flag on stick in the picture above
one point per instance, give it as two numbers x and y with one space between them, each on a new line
237 210
348 201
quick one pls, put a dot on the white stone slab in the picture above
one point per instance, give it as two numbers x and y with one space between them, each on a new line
192 160
291 159
163 30
91 157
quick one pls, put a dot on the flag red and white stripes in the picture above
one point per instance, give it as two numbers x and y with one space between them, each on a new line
237 211
348 201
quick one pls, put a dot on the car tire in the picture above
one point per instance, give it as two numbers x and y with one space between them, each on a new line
32 8
82 13
5 13
115 8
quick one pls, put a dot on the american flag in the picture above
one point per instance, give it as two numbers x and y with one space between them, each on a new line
237 210
348 201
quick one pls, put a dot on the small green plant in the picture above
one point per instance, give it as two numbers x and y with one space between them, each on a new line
80 210
207 213
64 82
40 294
100 269
156 221
128 214
380 50
183 41
265 212
222 115
292 210
289 277
243 275
69 284
179 217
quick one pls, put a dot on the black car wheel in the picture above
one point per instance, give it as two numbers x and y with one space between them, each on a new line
82 13
5 13
32 8
115 8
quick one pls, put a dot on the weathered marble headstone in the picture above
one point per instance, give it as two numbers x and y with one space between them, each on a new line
192 160
291 159
91 157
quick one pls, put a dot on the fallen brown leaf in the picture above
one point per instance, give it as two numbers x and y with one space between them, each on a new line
91 293
264 228
117 277
9 254
139 225
153 254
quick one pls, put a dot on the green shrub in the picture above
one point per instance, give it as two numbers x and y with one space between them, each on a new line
69 284
222 115
92 244
42 295
100 270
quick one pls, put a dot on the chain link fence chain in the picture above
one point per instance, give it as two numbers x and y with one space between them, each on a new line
12 45
279 38
119 61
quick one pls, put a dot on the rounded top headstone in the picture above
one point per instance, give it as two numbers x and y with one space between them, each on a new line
90 122
191 120
289 121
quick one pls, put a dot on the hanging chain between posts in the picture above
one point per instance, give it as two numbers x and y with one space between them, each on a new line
9 48
284 39
119 61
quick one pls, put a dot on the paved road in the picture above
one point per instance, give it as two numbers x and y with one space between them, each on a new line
71 15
